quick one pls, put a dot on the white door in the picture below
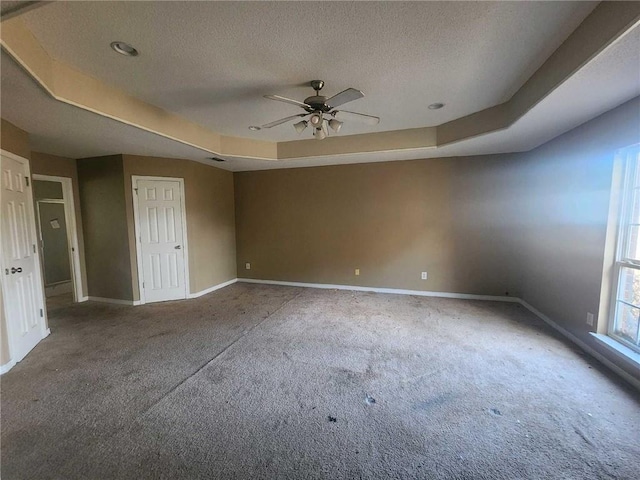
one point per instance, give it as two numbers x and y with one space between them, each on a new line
161 239
22 285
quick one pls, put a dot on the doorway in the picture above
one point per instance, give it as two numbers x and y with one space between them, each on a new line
56 223
161 238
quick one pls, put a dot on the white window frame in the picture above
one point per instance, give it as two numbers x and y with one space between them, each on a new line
630 171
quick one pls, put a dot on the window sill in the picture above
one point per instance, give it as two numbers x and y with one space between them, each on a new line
618 348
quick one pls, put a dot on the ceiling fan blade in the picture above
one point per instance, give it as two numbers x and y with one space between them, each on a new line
358 117
283 120
348 95
287 100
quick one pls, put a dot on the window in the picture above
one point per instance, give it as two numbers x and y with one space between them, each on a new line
625 326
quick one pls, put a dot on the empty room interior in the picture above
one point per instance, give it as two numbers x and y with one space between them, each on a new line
320 240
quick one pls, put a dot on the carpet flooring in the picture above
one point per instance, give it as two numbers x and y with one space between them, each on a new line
270 382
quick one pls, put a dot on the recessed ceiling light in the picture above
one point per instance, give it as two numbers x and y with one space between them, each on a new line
124 49
436 106
253 128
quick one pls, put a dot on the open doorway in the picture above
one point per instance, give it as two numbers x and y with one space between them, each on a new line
57 233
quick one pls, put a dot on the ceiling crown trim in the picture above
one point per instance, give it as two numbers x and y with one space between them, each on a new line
607 23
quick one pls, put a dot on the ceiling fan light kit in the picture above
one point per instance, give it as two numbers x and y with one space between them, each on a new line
335 125
318 107
300 126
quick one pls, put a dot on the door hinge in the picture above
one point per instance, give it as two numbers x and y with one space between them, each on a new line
73 249
41 313
27 180
34 248
142 284
136 190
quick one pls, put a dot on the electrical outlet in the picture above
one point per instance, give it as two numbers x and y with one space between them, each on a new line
590 319
424 275
357 272
247 266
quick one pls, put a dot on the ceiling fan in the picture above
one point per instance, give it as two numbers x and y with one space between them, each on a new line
322 111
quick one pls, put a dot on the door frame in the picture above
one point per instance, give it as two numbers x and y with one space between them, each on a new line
44 322
72 231
136 223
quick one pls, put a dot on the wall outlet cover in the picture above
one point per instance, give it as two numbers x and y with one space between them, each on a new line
424 275
247 266
357 271
590 318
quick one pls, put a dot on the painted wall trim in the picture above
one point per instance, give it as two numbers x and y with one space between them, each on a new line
7 366
116 301
598 356
606 24
618 349
73 244
211 289
398 291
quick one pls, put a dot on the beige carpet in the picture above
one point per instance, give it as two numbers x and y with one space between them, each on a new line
255 382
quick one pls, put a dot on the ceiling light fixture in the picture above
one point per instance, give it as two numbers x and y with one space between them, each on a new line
253 128
435 106
335 125
319 134
124 49
300 126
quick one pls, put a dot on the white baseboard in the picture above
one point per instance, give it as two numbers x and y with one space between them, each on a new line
114 300
398 291
211 289
83 299
598 356
6 367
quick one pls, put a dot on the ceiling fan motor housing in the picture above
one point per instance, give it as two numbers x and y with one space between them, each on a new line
317 103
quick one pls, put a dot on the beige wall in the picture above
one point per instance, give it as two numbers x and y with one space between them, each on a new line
532 224
390 220
564 206
210 217
104 221
45 164
14 140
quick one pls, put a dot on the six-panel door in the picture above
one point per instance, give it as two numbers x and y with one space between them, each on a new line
23 290
161 239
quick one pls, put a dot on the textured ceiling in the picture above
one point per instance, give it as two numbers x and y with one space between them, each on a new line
61 129
58 128
212 61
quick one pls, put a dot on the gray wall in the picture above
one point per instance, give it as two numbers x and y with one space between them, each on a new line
104 222
55 245
562 211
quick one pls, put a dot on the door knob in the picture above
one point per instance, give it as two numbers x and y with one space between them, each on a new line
16 270
177 247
